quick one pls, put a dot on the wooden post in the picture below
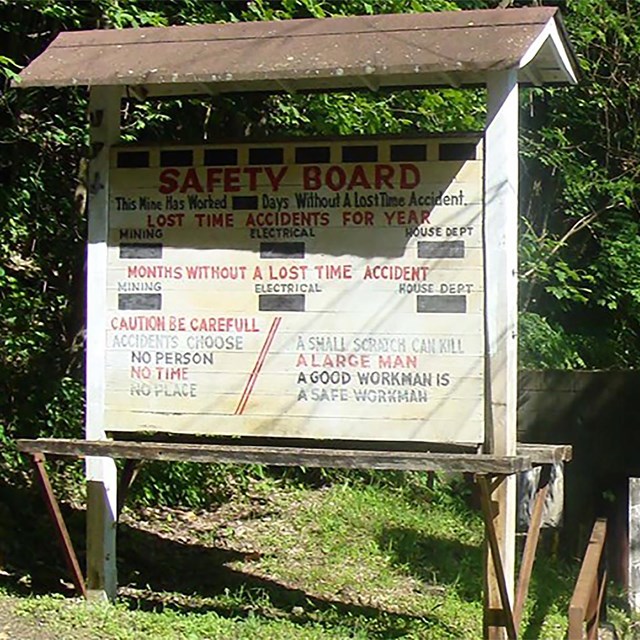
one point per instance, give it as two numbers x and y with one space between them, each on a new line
634 544
501 310
104 115
505 618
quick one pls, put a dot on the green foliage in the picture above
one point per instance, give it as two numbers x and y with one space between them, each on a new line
287 9
119 14
41 260
190 484
8 68
444 110
580 250
546 345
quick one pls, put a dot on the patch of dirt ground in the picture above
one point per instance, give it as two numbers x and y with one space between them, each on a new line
18 627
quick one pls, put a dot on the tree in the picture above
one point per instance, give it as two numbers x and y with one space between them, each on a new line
580 251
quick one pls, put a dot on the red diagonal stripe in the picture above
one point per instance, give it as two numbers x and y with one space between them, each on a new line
251 381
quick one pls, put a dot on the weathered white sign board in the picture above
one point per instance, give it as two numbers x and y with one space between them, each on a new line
307 289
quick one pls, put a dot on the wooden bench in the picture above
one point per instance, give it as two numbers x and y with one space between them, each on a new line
488 469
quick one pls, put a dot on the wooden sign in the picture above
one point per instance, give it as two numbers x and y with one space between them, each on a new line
307 289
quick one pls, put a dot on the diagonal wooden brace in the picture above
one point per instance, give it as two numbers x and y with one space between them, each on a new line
61 528
127 478
494 548
531 544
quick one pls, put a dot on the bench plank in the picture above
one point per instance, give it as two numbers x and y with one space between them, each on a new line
280 456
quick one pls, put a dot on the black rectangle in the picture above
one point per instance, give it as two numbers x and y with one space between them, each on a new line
408 153
132 159
242 203
274 250
220 157
266 155
276 302
442 304
313 155
139 301
441 249
140 251
360 153
176 158
457 151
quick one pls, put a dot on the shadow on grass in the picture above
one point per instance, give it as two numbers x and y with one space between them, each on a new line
552 584
157 569
159 573
436 561
446 563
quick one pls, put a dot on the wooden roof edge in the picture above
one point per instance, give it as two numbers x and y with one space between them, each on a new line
555 33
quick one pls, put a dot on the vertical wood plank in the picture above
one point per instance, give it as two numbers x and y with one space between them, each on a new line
634 545
501 310
104 117
507 619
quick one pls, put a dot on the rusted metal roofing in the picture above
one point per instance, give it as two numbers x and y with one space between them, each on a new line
442 48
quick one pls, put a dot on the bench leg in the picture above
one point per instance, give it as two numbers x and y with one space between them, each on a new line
531 544
127 478
506 613
60 526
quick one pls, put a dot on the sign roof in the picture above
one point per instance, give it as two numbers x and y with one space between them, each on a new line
454 48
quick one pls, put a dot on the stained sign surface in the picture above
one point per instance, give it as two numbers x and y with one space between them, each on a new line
310 289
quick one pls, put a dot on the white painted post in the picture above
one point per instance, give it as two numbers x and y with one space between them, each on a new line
104 114
501 264
634 545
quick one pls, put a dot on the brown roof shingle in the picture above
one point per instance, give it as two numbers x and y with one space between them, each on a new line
452 47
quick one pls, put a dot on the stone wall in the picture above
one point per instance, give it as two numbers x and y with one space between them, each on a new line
598 412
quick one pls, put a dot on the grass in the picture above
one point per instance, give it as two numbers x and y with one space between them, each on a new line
69 620
351 560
